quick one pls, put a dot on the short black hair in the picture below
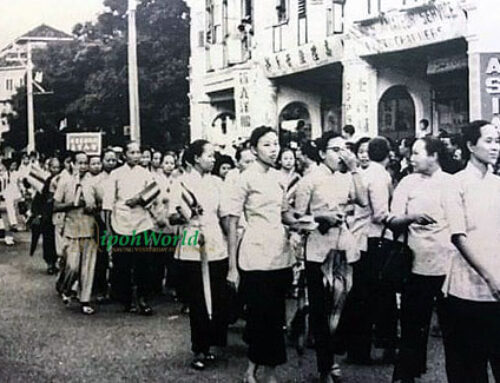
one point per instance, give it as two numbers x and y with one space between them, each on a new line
408 142
472 131
378 149
310 150
434 145
170 153
258 133
425 122
220 160
322 142
106 151
157 151
74 154
128 143
240 149
195 150
361 141
349 129
283 150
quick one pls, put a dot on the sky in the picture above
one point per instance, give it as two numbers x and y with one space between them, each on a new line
19 16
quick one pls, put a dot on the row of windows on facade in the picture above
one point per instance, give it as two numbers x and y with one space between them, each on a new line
11 85
217 19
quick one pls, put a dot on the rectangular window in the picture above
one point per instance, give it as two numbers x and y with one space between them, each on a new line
9 84
247 9
282 10
201 39
302 8
214 20
302 22
335 18
374 7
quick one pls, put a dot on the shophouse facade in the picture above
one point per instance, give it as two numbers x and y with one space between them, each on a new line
380 65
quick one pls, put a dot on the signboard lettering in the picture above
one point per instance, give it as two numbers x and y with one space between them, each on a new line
306 57
89 143
417 26
490 86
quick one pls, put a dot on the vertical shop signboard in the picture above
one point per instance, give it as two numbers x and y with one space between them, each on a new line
490 87
242 101
357 100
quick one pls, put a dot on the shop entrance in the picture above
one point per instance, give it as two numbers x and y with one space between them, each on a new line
294 123
396 114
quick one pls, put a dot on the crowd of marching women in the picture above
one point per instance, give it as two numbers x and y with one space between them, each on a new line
369 238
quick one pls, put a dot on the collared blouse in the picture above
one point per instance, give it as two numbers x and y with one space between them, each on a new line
432 195
478 217
322 191
127 182
207 190
77 224
258 195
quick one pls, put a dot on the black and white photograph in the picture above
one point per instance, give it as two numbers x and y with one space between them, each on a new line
250 191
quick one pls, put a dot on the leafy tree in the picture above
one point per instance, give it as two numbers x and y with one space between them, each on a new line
88 78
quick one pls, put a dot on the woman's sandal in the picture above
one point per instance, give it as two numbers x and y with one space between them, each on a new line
209 357
87 309
198 363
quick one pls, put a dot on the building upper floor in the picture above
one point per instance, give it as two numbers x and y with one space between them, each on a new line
285 35
11 78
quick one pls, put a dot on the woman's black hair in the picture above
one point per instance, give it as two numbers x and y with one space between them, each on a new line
433 145
378 149
282 151
310 150
220 160
170 153
361 141
195 150
258 133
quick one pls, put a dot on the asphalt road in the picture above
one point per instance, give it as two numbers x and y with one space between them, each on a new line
41 340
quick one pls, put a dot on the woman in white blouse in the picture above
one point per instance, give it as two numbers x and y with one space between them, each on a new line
205 191
262 259
423 205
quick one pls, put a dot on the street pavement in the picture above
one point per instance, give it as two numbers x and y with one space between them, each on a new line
41 340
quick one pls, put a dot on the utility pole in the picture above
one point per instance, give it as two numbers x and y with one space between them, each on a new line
30 108
133 77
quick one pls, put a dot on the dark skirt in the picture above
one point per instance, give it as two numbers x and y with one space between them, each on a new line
264 294
206 332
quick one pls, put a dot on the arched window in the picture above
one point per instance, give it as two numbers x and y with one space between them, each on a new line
222 128
396 114
294 122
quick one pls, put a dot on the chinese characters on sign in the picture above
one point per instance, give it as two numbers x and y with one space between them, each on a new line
89 143
304 57
357 99
242 101
418 26
490 87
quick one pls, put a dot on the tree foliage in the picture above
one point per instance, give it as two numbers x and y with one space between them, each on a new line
89 77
